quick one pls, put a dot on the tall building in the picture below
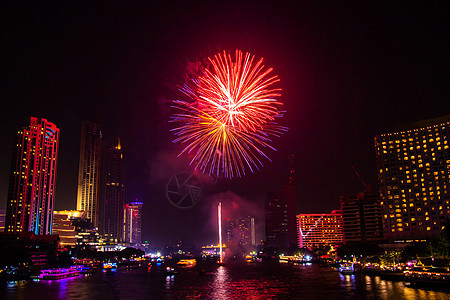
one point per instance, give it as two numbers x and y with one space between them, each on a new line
89 171
133 222
31 193
361 216
414 179
240 230
111 226
316 230
280 212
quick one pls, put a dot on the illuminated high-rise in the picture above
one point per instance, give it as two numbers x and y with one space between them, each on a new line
133 222
89 171
32 182
111 225
414 179
315 230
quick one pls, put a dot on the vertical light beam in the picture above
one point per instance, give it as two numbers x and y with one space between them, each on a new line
219 211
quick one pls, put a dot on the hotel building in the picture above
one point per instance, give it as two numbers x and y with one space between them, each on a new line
315 230
414 176
89 171
32 182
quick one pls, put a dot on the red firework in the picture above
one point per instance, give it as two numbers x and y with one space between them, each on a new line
229 115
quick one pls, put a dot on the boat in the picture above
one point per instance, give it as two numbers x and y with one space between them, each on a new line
187 262
347 269
428 275
171 271
54 274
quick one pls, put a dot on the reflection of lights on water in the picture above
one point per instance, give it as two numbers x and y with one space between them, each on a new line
220 284
170 281
368 282
348 281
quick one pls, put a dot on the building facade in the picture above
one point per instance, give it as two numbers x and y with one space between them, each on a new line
280 218
2 219
414 177
32 184
362 218
133 223
111 226
315 230
240 230
89 171
65 227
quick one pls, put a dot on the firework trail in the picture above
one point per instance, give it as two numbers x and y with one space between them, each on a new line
228 117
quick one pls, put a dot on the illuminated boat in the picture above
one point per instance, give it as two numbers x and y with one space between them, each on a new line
54 274
187 262
347 268
109 267
171 271
428 275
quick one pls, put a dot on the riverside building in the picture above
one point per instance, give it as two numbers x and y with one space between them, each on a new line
89 171
413 167
315 230
32 183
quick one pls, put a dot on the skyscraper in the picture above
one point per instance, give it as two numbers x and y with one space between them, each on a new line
111 226
133 222
280 215
361 216
89 171
32 182
414 179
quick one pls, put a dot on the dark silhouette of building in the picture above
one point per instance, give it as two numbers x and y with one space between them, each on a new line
32 182
112 216
413 174
89 171
362 218
280 215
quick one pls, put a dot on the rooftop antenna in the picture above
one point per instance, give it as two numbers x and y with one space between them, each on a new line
292 172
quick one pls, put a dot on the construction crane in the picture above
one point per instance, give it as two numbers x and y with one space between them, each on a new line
362 181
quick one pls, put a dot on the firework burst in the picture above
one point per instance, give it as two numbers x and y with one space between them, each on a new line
228 116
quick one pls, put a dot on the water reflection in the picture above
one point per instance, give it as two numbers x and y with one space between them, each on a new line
220 288
234 281
170 281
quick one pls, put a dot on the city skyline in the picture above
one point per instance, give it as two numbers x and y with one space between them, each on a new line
348 74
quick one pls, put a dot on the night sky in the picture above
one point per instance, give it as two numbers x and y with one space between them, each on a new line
348 72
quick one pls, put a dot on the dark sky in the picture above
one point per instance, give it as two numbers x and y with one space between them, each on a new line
348 72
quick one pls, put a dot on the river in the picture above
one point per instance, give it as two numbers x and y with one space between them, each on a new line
233 281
